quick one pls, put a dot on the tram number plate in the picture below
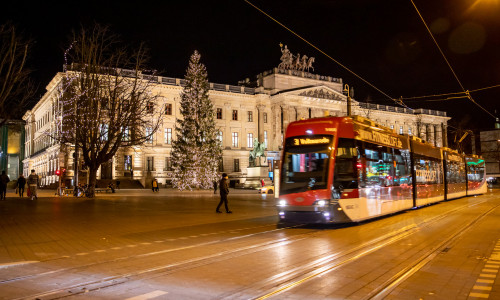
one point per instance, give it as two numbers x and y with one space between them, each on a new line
349 206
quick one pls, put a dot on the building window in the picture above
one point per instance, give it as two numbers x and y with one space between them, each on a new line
219 113
149 135
236 165
264 116
235 140
126 134
400 129
168 109
127 162
219 136
409 130
150 107
392 126
168 164
150 163
250 116
250 140
168 136
265 139
235 115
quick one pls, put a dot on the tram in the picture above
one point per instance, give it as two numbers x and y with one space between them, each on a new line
351 169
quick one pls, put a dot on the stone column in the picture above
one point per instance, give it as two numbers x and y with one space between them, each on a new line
260 122
444 129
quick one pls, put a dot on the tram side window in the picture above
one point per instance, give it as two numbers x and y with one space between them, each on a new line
475 171
375 165
455 172
345 164
428 170
402 174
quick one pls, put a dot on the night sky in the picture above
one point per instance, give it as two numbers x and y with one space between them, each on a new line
383 41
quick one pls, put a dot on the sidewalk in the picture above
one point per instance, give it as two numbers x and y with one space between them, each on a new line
137 192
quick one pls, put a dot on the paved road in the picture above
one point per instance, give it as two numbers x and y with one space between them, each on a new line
170 245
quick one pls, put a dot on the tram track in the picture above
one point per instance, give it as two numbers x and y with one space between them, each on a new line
285 280
304 274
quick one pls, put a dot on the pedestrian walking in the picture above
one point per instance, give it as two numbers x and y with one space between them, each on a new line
154 185
33 183
21 182
4 179
224 190
215 186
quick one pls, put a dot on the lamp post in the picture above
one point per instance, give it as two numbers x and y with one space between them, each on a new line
348 91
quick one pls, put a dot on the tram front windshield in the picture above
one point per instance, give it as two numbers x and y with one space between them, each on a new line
304 168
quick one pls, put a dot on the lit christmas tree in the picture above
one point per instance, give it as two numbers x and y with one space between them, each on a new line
196 152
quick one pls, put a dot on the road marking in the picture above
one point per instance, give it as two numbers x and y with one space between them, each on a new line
116 248
489 271
131 246
151 295
17 263
99 250
482 287
491 266
479 295
81 254
146 243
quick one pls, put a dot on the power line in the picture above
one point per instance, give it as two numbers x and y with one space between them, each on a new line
322 52
447 62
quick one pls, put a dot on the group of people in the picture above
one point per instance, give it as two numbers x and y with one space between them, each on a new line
33 184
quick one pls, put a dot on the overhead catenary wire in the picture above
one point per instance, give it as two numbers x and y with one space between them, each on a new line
324 53
447 62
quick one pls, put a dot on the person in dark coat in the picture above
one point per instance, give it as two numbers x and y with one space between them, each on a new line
21 182
224 190
33 183
4 179
215 186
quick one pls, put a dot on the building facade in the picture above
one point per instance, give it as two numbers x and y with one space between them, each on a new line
260 109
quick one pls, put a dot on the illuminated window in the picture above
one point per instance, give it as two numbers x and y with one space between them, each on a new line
400 129
219 136
149 135
127 162
265 139
235 115
168 136
250 140
219 113
409 130
234 139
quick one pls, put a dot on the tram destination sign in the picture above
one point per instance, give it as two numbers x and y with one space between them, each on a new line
309 140
380 138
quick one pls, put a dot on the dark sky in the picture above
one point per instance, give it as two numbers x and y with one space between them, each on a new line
383 41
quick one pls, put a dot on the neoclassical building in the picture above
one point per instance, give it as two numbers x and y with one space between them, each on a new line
259 109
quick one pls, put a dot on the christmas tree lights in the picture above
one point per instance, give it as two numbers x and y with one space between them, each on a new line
196 151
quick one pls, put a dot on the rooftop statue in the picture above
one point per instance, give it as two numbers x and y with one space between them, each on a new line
294 62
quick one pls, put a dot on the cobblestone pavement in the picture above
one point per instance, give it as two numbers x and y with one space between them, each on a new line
136 244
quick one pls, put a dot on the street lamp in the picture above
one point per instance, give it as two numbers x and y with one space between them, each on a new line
349 92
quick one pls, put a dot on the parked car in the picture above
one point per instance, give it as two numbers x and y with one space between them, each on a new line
268 189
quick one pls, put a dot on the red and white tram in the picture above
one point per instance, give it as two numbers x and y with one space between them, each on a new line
350 169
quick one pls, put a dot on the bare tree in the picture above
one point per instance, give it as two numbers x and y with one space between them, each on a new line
15 87
106 100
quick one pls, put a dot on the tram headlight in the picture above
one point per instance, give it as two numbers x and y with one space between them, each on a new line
322 203
282 202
